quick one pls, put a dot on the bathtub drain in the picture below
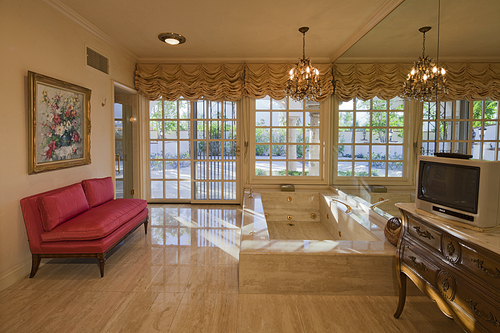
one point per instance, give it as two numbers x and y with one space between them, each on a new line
291 224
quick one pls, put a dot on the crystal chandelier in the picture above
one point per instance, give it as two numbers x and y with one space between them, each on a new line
304 82
426 80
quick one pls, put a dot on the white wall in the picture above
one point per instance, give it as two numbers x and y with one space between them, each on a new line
33 36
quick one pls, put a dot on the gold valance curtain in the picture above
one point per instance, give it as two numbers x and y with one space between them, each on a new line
465 80
217 82
232 82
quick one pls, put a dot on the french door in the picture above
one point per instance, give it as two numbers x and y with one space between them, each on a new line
193 151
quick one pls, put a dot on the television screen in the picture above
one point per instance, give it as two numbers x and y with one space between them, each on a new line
451 185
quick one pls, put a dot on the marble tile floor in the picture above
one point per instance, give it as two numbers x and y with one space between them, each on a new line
183 277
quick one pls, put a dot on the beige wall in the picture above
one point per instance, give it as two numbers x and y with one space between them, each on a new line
35 37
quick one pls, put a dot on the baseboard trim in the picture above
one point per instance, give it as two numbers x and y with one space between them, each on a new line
16 274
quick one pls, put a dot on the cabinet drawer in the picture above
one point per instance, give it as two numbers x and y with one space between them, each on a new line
424 233
412 258
484 311
482 266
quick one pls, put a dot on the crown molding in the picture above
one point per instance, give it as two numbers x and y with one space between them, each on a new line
318 60
82 22
369 24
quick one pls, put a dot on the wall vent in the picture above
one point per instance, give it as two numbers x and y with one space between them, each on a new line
97 61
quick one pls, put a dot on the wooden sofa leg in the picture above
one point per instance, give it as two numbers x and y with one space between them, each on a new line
146 226
35 262
101 259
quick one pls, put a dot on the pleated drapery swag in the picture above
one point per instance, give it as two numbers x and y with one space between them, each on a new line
232 82
220 82
467 81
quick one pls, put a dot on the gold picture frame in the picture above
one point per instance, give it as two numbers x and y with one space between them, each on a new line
59 124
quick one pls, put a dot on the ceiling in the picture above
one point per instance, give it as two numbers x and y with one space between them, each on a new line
267 30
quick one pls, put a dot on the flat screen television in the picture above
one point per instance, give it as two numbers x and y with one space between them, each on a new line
462 190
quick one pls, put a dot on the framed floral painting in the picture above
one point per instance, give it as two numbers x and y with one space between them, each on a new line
59 124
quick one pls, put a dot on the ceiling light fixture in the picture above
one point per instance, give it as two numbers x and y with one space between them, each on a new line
172 38
425 79
304 82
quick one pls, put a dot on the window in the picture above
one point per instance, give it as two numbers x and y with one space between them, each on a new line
464 127
287 140
192 150
371 139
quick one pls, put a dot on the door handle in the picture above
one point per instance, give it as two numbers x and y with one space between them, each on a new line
238 150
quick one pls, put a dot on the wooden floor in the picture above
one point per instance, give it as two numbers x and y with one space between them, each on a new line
183 277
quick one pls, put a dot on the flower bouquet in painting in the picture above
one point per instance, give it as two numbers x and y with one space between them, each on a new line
60 126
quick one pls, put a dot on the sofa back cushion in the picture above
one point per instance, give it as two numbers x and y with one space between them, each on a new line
57 208
98 190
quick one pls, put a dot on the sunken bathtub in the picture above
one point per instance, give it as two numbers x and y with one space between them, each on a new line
314 243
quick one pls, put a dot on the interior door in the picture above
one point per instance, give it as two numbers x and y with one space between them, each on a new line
123 151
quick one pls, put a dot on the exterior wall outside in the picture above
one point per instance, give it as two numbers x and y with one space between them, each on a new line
36 37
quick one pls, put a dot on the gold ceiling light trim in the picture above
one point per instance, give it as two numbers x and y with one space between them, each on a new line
172 38
304 82
426 80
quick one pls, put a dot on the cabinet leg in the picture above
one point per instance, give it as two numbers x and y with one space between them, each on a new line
402 294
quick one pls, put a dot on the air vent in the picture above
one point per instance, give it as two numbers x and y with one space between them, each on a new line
97 61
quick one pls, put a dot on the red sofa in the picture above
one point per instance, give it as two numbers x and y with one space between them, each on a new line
82 220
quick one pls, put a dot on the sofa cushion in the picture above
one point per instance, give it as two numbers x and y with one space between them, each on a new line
98 222
57 208
98 190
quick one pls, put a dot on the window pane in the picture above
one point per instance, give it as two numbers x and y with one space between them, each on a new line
345 136
171 170
396 152
345 152
154 110
362 119
279 119
346 118
294 105
262 135
170 110
379 104
262 168
397 104
156 149
379 119
344 169
170 149
184 110
349 105
379 135
361 169
362 152
362 105
263 103
378 169
379 152
156 169
279 168
279 135
262 119
279 105
362 135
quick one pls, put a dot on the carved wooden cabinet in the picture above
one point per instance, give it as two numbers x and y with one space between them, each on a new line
456 267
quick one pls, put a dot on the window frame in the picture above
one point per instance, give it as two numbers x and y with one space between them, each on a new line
407 156
471 141
323 162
